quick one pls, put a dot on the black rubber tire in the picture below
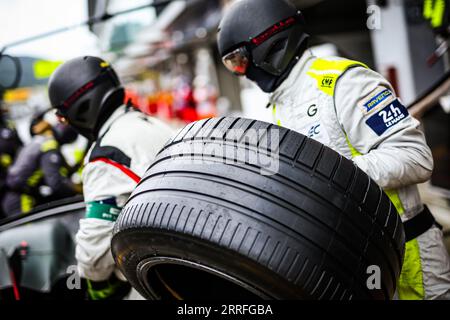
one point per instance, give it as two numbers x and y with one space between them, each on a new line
308 232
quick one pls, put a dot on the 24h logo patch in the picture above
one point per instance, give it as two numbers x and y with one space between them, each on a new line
387 117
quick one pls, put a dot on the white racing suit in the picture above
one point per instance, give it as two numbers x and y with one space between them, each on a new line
128 143
354 110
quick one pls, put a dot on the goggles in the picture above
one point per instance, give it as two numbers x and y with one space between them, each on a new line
237 61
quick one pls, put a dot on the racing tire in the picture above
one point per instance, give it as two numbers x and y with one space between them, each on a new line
207 222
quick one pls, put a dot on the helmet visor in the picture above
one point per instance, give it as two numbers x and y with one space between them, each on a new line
237 61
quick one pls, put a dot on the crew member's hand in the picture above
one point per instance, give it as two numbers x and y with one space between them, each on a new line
111 289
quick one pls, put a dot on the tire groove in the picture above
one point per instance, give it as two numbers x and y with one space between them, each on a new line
318 283
335 291
234 234
195 223
143 213
170 217
130 216
298 152
282 259
243 238
215 127
302 270
198 131
223 231
310 277
317 160
205 224
293 264
149 214
231 127
263 248
187 219
343 295
136 215
273 253
178 218
326 288
265 133
156 214
122 215
245 131
253 243
162 216
214 228
282 140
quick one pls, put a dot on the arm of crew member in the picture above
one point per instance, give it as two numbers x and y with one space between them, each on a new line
106 189
393 149
55 174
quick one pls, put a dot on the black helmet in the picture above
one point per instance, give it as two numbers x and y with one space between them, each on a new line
262 39
86 91
63 133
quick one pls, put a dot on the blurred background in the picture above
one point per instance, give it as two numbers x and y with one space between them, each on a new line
165 53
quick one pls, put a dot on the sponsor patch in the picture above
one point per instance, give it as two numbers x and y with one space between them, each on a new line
317 132
377 100
314 131
388 117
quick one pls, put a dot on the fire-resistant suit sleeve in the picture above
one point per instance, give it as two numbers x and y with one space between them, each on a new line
392 149
103 185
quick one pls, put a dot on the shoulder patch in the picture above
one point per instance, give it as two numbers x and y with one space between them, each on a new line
376 100
388 117
327 72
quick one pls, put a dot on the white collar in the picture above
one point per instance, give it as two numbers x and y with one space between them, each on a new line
116 115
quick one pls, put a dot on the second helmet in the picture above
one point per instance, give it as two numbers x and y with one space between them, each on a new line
86 91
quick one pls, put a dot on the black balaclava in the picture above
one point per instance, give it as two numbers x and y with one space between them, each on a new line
268 82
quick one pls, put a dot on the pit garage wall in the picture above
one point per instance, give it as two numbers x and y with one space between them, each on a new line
402 40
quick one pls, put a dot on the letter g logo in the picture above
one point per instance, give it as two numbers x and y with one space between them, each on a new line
312 110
